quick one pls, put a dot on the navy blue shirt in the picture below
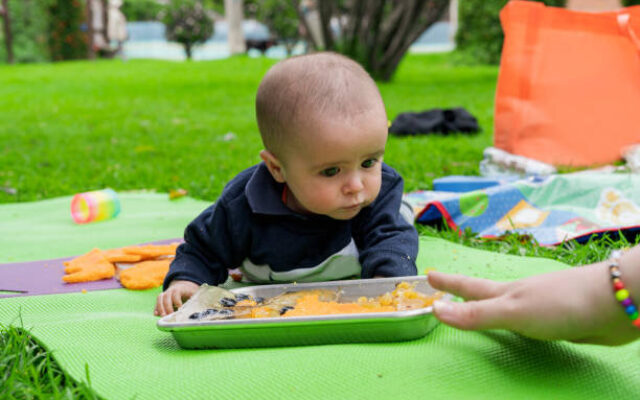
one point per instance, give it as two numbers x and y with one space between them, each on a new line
250 228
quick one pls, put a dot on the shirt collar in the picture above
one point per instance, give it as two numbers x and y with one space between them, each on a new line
265 194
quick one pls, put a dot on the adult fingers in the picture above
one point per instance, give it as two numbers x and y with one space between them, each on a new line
465 286
472 315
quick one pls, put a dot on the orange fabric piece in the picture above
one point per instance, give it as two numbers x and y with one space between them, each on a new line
145 275
152 250
92 266
119 255
568 89
99 264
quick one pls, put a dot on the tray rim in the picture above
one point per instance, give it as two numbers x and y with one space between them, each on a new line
163 325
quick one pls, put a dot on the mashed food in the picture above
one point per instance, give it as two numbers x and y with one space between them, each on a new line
311 302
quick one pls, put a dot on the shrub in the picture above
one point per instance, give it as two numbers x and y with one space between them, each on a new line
29 31
141 10
282 19
479 37
187 23
67 38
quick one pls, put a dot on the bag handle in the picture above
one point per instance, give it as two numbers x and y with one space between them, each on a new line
625 27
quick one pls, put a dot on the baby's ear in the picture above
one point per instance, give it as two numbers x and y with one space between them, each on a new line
273 164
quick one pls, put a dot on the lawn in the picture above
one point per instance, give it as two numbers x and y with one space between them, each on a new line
78 126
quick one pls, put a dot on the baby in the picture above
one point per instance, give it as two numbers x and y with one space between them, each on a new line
320 206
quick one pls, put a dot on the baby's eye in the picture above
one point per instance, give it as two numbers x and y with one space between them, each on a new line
330 171
369 163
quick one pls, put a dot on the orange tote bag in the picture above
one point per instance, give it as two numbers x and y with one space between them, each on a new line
568 89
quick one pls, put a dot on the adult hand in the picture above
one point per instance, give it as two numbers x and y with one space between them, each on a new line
173 298
576 304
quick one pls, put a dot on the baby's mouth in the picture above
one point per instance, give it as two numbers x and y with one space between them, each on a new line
353 207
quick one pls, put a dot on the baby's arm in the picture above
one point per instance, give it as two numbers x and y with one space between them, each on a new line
203 258
387 243
576 304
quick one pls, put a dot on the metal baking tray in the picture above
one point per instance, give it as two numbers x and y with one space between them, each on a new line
311 330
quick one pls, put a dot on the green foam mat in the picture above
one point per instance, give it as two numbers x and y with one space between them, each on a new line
44 229
114 333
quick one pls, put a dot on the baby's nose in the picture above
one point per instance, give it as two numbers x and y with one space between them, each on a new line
353 185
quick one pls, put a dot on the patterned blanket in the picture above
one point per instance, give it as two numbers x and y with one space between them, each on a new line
551 209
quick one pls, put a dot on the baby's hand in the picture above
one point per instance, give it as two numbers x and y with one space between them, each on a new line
172 298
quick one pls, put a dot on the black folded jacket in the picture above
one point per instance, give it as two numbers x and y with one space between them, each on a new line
434 121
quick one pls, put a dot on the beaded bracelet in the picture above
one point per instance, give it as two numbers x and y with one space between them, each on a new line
622 295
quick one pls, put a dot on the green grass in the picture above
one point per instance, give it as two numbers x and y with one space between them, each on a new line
79 126
27 371
73 127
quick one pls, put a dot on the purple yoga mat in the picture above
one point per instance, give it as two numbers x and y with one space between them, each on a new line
45 277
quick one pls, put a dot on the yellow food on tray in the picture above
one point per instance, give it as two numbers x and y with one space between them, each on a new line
312 305
304 303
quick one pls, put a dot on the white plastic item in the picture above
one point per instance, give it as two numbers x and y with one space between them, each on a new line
498 162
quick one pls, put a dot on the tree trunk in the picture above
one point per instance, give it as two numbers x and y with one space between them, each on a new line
233 13
91 51
8 38
105 22
325 8
376 14
187 50
289 46
376 33
307 34
453 20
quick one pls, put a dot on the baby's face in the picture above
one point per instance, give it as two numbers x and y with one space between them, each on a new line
333 168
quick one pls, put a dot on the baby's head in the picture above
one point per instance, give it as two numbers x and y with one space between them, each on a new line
324 128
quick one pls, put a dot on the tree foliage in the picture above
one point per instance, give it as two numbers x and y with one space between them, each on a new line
187 23
480 36
141 10
44 30
281 18
29 28
5 16
376 33
67 39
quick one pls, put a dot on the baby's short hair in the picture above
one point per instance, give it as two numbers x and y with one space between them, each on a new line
324 85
